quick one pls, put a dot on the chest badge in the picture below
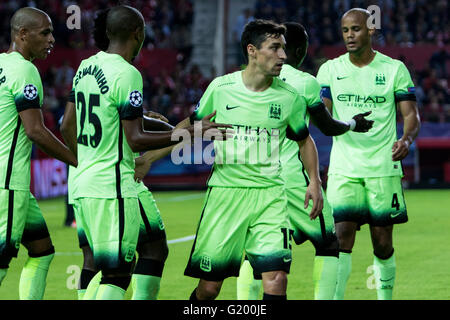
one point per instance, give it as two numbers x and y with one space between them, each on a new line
275 111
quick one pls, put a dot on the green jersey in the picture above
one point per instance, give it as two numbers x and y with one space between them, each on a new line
107 89
261 122
20 89
376 87
309 90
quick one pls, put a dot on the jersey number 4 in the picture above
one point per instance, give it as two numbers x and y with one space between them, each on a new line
94 101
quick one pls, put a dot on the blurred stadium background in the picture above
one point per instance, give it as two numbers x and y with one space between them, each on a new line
189 42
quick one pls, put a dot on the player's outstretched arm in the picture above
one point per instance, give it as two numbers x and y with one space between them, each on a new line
37 132
329 126
310 159
140 140
69 127
411 128
144 162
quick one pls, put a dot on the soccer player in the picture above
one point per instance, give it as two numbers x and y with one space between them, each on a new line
364 184
21 124
245 205
108 103
319 231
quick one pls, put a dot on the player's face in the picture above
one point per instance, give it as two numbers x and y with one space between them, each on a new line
271 55
355 33
40 40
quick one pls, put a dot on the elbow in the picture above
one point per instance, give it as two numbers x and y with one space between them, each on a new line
33 133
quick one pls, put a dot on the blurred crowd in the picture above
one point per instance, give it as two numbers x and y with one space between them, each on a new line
169 25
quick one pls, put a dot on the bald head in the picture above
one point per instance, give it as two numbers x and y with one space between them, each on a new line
27 18
122 21
357 13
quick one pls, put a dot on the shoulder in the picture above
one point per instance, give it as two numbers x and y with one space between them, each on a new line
226 80
284 87
393 63
25 68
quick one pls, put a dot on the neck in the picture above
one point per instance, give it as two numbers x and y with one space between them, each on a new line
122 50
13 47
363 57
255 80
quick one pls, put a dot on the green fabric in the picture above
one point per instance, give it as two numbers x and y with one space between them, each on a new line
33 278
109 292
375 87
145 287
80 293
20 89
107 90
325 277
344 270
247 287
260 122
259 226
91 290
384 277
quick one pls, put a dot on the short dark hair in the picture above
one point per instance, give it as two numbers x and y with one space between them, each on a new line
257 31
296 36
121 21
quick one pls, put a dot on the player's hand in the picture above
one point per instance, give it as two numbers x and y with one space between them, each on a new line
314 193
362 124
212 130
156 115
400 149
141 168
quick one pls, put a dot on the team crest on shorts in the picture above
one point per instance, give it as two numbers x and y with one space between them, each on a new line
30 92
136 99
205 264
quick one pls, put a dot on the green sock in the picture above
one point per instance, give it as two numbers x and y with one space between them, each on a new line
145 287
80 293
344 270
33 278
325 277
91 290
247 287
384 276
109 292
2 274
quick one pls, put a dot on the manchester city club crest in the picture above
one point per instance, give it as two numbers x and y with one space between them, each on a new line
380 79
275 111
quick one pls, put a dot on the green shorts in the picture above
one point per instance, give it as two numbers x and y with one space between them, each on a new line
376 201
111 227
152 226
319 231
21 220
235 220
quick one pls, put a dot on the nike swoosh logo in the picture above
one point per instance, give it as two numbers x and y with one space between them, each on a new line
231 108
287 260
387 279
393 215
340 78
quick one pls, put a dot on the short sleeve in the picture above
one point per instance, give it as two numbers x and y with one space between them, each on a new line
297 129
127 93
206 104
27 89
404 89
312 95
323 79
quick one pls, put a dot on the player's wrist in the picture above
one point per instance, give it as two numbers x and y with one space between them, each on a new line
352 124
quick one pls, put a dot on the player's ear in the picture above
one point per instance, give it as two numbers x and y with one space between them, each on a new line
251 50
22 33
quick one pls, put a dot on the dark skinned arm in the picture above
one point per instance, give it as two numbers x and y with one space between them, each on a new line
411 128
37 132
69 127
322 119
